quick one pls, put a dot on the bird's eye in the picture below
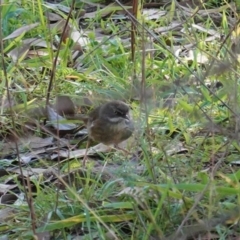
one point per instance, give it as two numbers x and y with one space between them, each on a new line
117 112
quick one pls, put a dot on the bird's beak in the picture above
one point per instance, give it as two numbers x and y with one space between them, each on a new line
127 116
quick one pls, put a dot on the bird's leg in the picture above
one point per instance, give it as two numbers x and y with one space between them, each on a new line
77 145
85 155
122 149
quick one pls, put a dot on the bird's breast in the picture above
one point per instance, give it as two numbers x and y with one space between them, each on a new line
111 132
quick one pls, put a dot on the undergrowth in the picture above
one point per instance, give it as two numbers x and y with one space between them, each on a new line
182 172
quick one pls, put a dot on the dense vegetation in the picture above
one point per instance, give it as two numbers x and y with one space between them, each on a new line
176 64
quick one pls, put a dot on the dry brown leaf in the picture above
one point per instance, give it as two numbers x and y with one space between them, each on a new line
28 172
175 148
208 31
80 153
105 11
43 236
23 50
64 106
19 52
37 42
37 142
175 25
38 53
6 214
53 16
59 122
58 7
6 103
58 27
3 172
21 30
99 148
28 142
153 13
25 158
72 32
79 38
8 198
6 187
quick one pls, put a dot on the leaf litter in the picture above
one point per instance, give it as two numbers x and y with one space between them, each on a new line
60 148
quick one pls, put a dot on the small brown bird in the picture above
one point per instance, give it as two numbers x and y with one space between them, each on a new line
109 123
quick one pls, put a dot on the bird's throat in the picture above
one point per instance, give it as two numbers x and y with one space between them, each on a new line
116 119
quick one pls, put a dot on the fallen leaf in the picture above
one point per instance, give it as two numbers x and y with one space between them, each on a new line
6 214
21 30
59 122
38 142
153 13
53 16
80 153
19 52
8 199
6 187
37 42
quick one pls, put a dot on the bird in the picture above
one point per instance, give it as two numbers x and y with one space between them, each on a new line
109 123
